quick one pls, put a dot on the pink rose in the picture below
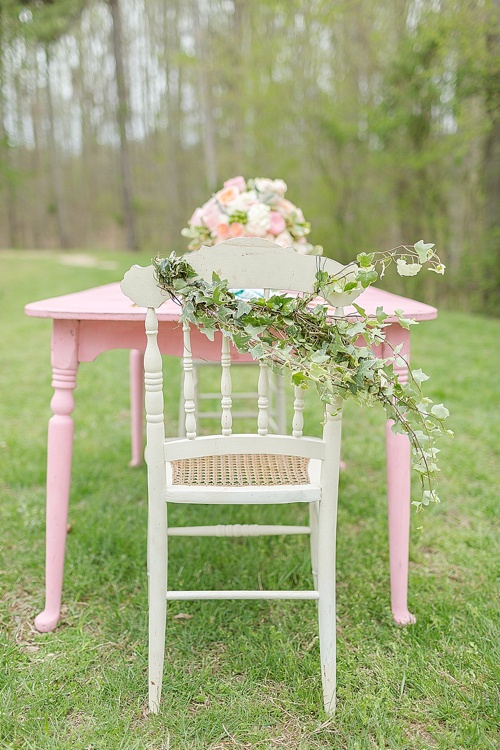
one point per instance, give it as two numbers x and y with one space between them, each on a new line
227 195
277 223
197 218
212 215
237 182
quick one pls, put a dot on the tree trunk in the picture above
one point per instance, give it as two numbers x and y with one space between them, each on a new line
204 87
121 117
55 167
7 172
492 168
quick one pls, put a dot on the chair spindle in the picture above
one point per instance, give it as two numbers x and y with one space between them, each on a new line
226 388
298 416
189 384
263 401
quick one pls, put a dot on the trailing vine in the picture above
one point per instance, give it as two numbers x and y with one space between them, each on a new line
299 335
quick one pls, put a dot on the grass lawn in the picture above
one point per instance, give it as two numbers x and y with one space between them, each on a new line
242 674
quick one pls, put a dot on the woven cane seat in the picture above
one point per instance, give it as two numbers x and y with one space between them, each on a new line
238 470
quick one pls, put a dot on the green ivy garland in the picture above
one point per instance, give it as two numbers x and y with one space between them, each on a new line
289 333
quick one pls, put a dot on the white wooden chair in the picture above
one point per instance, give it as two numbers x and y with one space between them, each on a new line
232 468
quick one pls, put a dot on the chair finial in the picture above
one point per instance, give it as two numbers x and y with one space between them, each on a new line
140 285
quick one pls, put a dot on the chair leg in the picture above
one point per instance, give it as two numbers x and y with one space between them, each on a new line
326 611
327 529
398 492
313 537
157 621
157 588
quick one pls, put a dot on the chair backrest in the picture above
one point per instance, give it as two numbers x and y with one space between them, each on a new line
245 263
250 262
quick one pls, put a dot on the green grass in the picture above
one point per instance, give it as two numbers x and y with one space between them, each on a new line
242 675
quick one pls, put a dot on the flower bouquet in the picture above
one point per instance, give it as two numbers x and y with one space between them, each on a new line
250 208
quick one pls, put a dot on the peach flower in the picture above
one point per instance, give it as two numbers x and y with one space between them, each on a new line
236 229
227 195
222 231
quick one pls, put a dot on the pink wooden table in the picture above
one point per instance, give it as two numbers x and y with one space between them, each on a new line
87 323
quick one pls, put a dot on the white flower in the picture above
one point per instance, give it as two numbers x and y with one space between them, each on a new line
279 186
258 219
302 247
244 201
264 185
284 239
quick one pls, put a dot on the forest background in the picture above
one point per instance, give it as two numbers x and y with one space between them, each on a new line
119 117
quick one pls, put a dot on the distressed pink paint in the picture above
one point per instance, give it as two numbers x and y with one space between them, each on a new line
87 323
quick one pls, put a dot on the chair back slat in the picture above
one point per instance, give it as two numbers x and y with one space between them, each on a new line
254 263
189 384
263 401
226 389
298 409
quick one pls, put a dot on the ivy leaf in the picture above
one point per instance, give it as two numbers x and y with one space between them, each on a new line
209 332
407 269
257 351
359 309
298 378
254 331
243 308
440 268
419 376
356 328
365 259
366 277
423 250
429 496
405 322
440 411
320 358
240 340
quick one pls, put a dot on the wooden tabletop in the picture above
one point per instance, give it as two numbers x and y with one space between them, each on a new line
109 303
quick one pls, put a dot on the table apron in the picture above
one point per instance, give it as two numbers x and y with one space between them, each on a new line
98 336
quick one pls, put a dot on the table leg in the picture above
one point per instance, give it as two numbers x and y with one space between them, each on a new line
398 493
59 454
136 404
